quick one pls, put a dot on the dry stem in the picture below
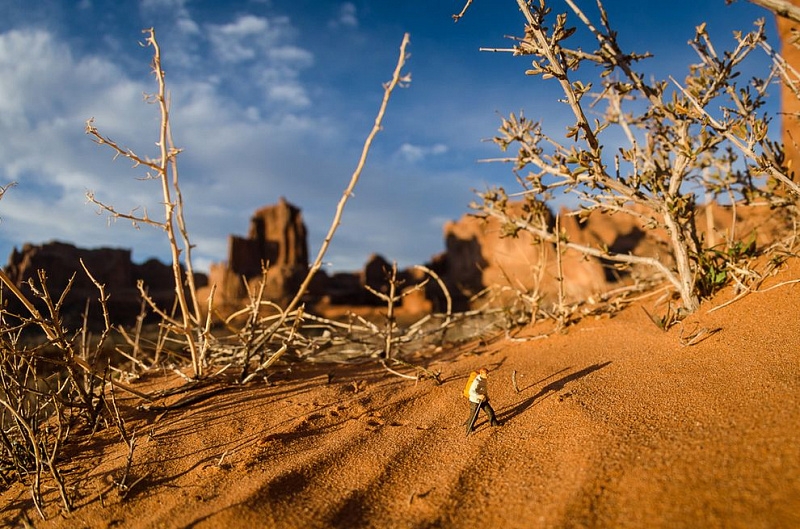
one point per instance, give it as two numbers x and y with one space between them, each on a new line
397 79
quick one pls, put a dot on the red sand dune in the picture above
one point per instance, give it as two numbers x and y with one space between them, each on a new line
615 424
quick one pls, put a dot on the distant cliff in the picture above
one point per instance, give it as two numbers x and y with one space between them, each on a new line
111 267
476 265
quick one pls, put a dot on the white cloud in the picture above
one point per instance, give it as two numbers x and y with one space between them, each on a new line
265 57
416 153
232 162
170 10
347 16
163 5
245 26
294 95
17 49
248 38
46 96
188 26
291 55
242 122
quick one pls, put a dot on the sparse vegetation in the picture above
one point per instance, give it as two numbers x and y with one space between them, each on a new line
703 136
48 389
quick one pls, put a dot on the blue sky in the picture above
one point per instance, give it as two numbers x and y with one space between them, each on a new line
274 98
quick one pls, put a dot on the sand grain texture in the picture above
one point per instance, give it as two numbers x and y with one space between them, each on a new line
616 424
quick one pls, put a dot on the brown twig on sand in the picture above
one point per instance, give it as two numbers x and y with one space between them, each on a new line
746 292
696 336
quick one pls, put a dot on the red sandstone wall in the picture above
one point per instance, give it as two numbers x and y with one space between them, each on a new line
790 103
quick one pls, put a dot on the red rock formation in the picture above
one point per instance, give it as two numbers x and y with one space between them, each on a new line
276 239
477 256
790 104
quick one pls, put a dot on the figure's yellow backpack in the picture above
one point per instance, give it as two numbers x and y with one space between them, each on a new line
472 376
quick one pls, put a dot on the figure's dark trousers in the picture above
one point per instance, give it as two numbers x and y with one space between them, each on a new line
487 409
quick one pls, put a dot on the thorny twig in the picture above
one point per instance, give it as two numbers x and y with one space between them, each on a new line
291 310
166 170
398 79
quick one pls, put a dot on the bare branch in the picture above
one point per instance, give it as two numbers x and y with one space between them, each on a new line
782 8
397 79
460 15
743 146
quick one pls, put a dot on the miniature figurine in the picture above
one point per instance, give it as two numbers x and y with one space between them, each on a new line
477 392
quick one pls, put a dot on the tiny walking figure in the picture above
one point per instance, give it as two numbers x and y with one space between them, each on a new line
478 394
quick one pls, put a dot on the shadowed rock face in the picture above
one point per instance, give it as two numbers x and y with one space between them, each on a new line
477 257
790 104
277 237
111 267
277 240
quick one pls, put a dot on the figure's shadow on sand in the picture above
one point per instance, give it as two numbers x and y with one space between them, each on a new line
551 388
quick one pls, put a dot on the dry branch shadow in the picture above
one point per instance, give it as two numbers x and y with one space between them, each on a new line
182 421
529 386
353 510
283 437
552 387
282 487
351 514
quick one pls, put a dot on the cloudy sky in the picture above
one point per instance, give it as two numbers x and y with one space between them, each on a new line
274 98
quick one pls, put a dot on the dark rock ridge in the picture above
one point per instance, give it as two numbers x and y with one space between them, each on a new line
111 267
